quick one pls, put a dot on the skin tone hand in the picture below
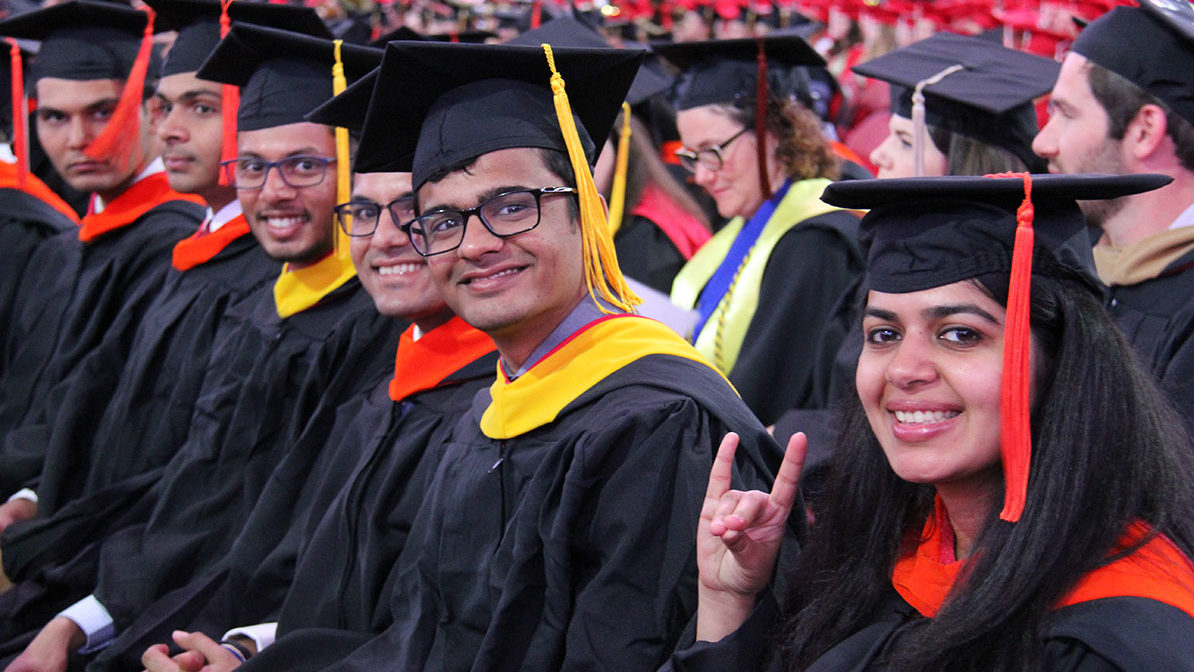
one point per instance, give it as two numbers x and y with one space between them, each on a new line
49 651
15 511
739 537
200 653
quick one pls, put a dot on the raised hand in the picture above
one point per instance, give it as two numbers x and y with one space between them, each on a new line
739 537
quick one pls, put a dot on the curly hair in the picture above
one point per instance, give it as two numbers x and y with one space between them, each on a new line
803 149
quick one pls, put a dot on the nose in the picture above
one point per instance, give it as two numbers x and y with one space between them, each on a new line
169 130
879 155
911 364
478 240
79 136
388 235
1045 142
703 176
275 188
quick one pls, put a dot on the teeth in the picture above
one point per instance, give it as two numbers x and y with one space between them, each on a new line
510 271
923 417
283 222
400 269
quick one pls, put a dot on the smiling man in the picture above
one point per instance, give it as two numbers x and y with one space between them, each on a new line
1123 111
558 530
93 122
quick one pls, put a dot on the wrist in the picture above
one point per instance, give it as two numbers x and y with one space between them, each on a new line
720 613
67 631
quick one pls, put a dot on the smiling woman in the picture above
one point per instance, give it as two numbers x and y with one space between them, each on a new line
932 549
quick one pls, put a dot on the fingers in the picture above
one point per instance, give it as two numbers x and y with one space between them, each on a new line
199 647
744 511
723 468
157 659
787 481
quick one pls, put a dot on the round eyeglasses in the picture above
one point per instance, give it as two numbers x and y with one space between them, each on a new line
361 217
709 157
248 172
504 215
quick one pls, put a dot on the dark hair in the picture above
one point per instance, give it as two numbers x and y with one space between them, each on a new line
555 161
644 167
1122 100
966 156
803 150
1108 450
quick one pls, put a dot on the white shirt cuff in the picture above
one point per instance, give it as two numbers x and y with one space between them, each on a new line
94 620
262 634
24 493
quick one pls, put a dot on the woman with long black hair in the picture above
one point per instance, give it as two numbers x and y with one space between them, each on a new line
1009 492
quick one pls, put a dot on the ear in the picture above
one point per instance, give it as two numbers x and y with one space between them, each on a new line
1146 132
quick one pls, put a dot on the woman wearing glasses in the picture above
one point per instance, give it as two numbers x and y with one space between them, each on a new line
764 286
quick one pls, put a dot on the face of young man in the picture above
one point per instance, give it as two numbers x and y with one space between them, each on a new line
388 266
516 289
293 224
70 114
190 125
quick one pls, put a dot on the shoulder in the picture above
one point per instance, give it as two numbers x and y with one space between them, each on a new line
1132 633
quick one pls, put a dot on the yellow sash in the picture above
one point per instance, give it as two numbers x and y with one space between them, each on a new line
576 365
733 315
298 290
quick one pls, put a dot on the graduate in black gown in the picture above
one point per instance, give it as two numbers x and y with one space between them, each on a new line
128 406
289 355
1145 255
94 63
557 530
990 504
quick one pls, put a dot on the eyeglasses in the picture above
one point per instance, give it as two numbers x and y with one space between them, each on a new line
504 215
296 171
709 157
361 217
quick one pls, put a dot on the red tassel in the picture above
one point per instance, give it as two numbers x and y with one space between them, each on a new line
120 141
229 103
761 94
20 116
1014 407
536 13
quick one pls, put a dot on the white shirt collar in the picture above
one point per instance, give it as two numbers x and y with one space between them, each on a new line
154 167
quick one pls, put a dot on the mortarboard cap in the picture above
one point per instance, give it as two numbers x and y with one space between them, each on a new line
923 233
988 98
198 25
348 109
725 71
282 75
1151 46
439 105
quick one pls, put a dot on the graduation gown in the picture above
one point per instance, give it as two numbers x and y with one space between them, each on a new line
339 508
1134 615
76 286
656 238
268 378
559 528
128 406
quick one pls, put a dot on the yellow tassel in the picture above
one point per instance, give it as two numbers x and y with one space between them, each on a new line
343 176
617 192
600 261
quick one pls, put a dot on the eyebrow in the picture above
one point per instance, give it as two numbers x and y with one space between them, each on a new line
480 198
306 151
358 198
936 313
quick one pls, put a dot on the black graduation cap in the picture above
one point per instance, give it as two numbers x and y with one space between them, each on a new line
928 232
405 33
82 40
458 101
988 99
348 109
566 31
725 71
1151 46
282 75
198 25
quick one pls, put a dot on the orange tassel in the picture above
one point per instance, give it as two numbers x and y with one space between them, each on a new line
120 141
20 115
1014 406
761 94
229 103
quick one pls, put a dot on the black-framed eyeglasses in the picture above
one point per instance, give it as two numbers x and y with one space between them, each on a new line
360 217
709 157
504 215
247 172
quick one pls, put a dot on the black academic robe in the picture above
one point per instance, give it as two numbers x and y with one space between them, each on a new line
571 546
128 405
1157 316
1117 634
268 378
70 297
810 269
646 254
320 543
25 221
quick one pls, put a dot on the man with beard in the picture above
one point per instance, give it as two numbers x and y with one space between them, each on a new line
1119 110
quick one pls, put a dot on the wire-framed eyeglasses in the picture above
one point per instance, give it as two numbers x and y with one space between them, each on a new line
504 215
248 172
709 157
360 217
